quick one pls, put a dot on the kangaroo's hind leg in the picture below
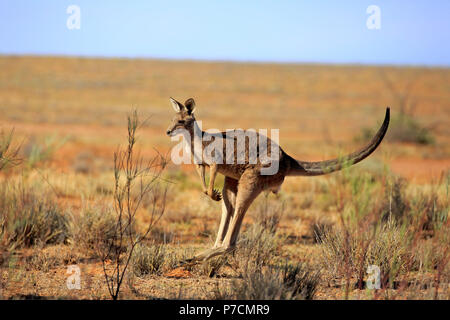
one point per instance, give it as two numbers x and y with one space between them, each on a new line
229 192
249 187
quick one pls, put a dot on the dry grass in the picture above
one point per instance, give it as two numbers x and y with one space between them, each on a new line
147 260
391 210
29 217
283 283
92 229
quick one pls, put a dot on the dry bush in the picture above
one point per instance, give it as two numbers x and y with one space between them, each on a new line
182 216
273 283
92 229
136 186
42 261
148 259
395 200
268 213
8 154
423 211
406 128
28 217
348 252
428 211
255 249
307 200
432 253
391 251
348 248
46 258
386 225
302 280
162 235
175 254
320 228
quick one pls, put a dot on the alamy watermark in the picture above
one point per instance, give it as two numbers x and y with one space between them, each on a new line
373 22
373 281
73 282
74 20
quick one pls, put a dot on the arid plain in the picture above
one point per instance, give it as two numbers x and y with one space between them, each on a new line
69 115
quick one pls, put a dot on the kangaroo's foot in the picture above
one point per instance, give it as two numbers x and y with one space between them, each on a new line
215 195
206 255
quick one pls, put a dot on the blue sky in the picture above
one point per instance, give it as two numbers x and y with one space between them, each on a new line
412 32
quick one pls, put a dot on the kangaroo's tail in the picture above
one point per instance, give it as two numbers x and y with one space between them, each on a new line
305 168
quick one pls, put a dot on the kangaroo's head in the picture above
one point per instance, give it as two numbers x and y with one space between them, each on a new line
184 118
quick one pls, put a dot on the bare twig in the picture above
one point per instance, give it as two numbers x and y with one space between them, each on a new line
134 182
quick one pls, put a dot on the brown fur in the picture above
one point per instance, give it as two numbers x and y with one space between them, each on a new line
244 182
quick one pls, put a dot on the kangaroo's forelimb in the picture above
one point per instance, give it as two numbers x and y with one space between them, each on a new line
201 172
209 190
213 193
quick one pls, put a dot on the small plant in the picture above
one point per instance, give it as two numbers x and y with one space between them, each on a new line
92 229
349 253
273 283
301 279
28 217
269 214
428 211
174 256
320 229
395 204
255 249
134 181
8 154
42 260
147 259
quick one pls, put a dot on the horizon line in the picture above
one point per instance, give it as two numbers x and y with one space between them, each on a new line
224 60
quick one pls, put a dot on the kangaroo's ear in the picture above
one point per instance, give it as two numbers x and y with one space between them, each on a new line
190 105
178 107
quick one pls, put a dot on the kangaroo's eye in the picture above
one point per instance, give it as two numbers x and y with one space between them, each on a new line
181 121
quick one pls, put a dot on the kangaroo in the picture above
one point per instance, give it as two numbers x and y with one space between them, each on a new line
243 179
